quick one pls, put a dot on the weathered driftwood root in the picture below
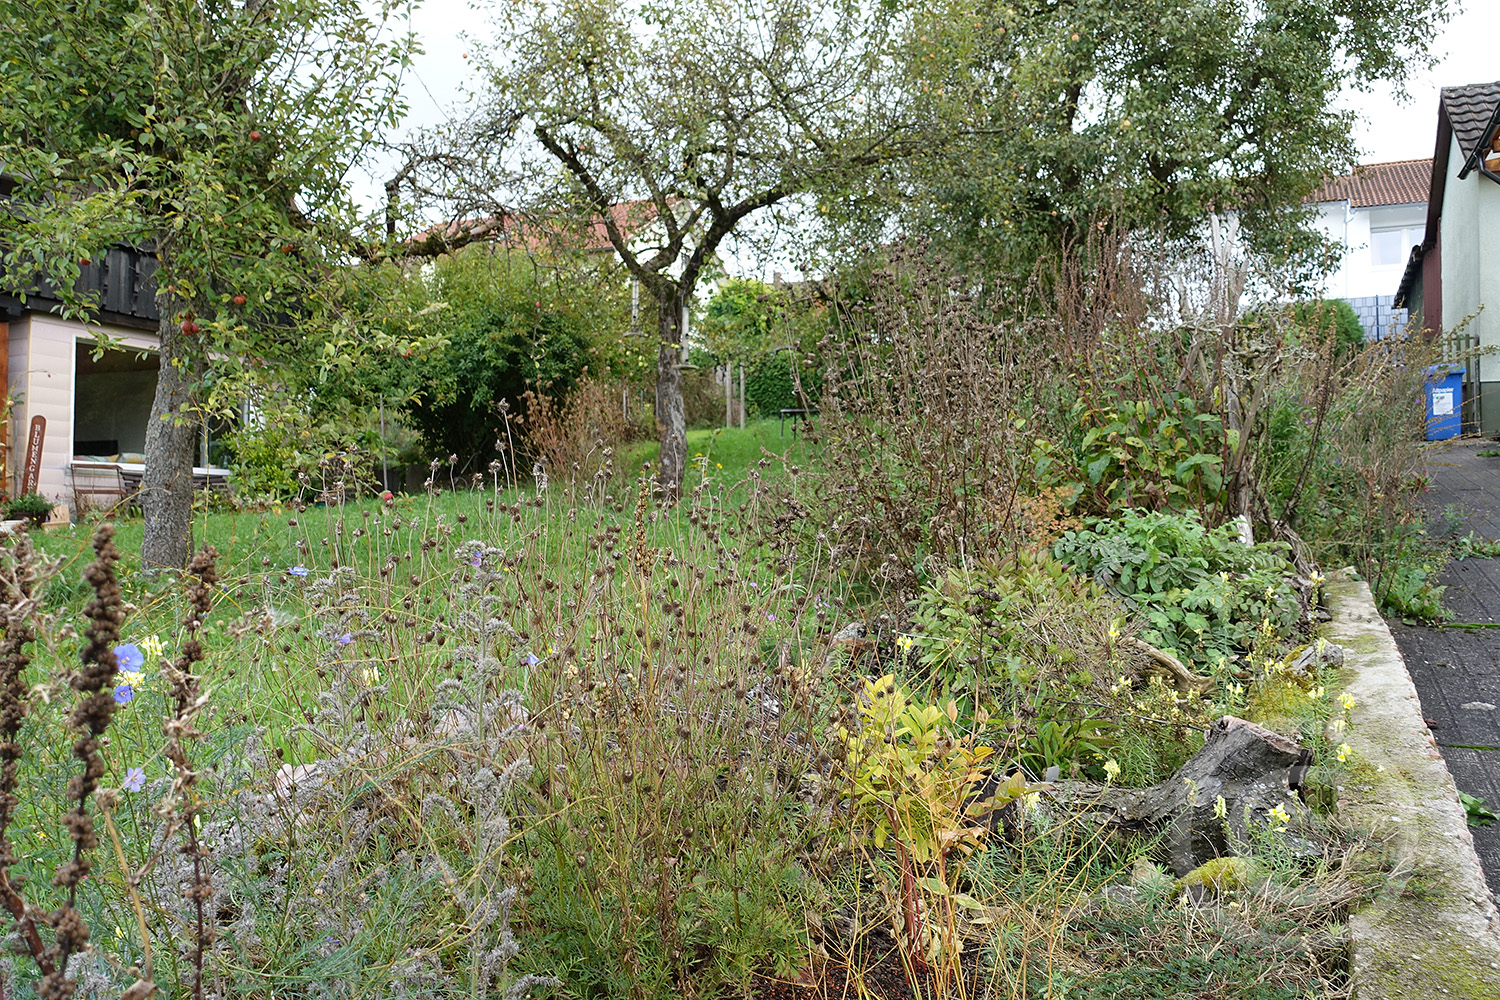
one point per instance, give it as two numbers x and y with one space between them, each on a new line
1185 679
1252 768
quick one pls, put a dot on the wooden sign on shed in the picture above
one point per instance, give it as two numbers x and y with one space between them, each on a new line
31 472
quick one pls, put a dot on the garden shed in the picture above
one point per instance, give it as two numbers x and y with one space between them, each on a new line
96 402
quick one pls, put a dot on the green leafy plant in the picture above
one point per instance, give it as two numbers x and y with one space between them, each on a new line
912 784
1330 319
1119 453
1472 546
29 506
1201 593
1477 812
1407 589
1027 641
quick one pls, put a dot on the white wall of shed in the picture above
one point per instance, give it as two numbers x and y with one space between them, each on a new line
43 376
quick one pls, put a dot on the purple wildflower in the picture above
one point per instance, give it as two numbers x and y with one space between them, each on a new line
478 560
530 660
135 777
128 657
297 570
124 694
770 617
345 639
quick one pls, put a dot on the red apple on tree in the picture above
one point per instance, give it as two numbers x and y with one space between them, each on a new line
238 300
254 136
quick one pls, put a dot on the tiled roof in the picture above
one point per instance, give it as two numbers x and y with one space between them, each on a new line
631 217
1404 182
1472 111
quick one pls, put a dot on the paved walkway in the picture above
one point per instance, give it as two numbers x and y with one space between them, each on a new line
1457 670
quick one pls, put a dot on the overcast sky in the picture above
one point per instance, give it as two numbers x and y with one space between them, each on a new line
1406 129
1391 128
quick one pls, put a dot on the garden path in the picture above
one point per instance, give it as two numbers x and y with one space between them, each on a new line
1456 669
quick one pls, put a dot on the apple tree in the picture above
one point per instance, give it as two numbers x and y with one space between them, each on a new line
665 128
1147 115
218 135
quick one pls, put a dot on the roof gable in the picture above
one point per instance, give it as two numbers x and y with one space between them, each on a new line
1473 112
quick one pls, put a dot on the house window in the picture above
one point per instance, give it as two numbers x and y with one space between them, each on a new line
1391 247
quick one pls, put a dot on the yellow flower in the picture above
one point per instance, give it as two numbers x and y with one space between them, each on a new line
1337 725
905 642
1279 818
132 677
1347 700
1111 770
1221 808
370 676
152 647
1344 751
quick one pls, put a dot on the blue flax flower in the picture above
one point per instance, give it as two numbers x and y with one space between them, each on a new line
128 657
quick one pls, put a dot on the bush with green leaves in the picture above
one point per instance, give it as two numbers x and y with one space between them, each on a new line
772 331
1027 641
470 333
782 381
1331 319
32 506
1115 453
1200 593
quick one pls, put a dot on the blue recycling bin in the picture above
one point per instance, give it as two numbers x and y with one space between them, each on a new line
1445 400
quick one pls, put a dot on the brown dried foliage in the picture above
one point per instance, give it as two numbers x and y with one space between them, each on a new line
92 714
180 730
572 438
928 408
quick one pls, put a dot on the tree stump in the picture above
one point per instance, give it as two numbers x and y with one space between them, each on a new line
1252 768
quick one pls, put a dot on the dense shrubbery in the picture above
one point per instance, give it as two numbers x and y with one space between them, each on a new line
1119 453
773 331
1200 593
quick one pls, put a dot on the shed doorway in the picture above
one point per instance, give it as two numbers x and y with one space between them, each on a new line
112 403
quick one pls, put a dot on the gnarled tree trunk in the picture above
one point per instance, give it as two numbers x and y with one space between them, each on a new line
171 436
671 419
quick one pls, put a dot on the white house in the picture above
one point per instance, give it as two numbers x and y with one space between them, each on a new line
1377 214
